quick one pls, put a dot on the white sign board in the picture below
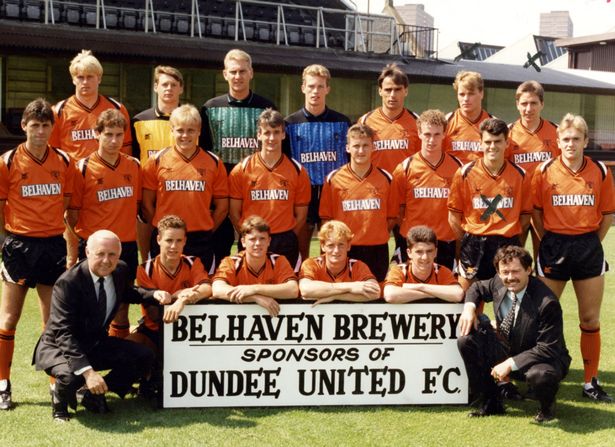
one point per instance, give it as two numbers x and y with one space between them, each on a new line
231 355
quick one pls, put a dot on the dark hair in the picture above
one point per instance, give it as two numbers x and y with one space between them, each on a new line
272 118
395 73
532 87
509 252
39 110
494 126
254 223
421 233
110 118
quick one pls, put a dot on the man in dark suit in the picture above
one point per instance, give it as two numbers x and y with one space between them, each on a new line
527 342
75 344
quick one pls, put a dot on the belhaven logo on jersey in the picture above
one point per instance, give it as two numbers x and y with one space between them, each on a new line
481 202
531 157
268 194
471 146
121 192
431 193
41 189
361 205
314 157
83 135
573 200
184 185
387 145
239 143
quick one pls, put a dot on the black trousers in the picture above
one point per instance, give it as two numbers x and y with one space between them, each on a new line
127 361
482 349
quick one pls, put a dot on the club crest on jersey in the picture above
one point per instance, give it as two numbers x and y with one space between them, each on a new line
128 177
24 176
55 174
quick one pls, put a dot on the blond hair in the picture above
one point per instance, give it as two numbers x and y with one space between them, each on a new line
575 121
238 55
432 117
85 62
336 230
471 80
316 70
186 114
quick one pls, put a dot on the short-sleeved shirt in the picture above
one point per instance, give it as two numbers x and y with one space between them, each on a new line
573 202
394 139
185 186
400 274
230 125
491 205
151 132
235 271
364 204
107 196
424 189
316 269
271 193
317 142
75 124
462 138
528 149
34 191
153 275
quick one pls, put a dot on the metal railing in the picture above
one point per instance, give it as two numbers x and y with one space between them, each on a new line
259 20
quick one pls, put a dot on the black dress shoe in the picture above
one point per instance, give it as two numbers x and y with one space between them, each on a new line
96 403
489 408
545 414
59 408
509 391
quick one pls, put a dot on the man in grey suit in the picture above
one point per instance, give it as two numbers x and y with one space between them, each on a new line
75 344
527 341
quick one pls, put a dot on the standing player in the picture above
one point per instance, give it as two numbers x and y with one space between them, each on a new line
533 139
573 210
360 195
271 185
421 277
255 275
422 183
36 182
463 136
394 126
151 130
333 275
489 204
186 181
107 195
230 125
75 117
316 135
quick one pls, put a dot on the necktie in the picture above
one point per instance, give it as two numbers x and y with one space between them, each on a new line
507 322
102 299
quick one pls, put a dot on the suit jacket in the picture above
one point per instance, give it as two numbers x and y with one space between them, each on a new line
537 335
76 325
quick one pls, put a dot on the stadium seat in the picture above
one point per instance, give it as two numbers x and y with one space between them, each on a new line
33 10
72 14
11 9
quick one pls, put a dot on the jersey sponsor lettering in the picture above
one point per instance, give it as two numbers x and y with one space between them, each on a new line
383 145
239 143
120 192
42 189
83 135
315 157
431 193
479 203
472 146
269 194
184 185
531 157
361 205
573 200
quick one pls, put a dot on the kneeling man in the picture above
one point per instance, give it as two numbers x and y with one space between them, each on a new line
75 344
333 275
420 277
528 342
255 275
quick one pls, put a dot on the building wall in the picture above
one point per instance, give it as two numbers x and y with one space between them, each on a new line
25 78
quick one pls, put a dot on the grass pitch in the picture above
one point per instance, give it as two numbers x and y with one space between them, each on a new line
133 422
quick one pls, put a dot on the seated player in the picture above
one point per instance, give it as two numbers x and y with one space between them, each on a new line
421 277
183 277
254 275
333 275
